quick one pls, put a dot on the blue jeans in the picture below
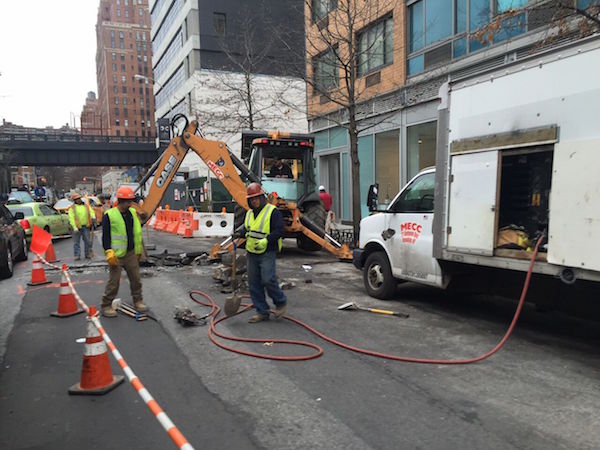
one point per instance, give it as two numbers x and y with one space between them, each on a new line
261 276
87 242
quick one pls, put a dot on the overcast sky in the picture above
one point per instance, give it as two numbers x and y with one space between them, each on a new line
47 60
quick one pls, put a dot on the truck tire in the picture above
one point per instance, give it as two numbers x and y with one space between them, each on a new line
377 276
315 211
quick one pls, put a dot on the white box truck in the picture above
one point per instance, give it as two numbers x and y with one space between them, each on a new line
518 155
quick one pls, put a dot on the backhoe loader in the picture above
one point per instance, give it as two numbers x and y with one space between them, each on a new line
295 195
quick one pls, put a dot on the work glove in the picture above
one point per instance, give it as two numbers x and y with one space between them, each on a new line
111 258
261 245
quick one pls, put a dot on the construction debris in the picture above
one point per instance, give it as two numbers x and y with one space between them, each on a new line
187 318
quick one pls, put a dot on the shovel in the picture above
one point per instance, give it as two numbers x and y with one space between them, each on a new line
232 302
352 305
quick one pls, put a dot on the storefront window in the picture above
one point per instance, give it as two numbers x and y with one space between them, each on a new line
387 164
421 142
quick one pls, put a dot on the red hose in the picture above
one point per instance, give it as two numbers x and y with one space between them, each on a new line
215 309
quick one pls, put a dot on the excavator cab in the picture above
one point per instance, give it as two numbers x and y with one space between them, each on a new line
284 166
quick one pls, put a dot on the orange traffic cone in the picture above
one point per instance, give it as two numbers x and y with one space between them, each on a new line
38 276
67 304
50 254
96 374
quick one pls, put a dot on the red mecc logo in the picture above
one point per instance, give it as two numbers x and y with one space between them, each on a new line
410 232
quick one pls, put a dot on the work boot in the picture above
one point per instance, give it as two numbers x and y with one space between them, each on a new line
141 306
279 310
77 258
258 318
108 311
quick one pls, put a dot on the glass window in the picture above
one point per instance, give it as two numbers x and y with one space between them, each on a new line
47 211
459 48
506 5
416 65
479 14
512 26
376 46
114 56
219 23
387 164
421 143
461 16
438 20
415 38
417 197
325 72
320 8
27 212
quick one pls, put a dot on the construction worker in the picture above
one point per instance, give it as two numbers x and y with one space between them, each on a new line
263 228
82 219
325 198
122 242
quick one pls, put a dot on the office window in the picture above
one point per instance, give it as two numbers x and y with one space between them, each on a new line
122 67
114 67
114 78
116 111
124 89
431 22
124 101
320 8
115 89
421 143
116 100
141 12
117 122
219 23
376 46
325 71
387 164
118 13
114 56
121 35
127 13
112 34
122 56
123 80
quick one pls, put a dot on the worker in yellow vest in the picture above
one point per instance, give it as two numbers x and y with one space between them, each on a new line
263 228
122 242
82 219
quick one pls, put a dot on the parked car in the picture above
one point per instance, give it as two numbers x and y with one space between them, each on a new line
13 246
19 197
64 204
43 216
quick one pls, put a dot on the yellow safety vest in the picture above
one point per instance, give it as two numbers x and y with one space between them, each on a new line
80 215
118 232
259 228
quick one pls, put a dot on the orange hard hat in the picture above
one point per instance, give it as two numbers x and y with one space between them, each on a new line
125 193
254 190
75 196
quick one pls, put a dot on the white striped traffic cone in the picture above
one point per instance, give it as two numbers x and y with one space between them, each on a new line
38 276
96 374
67 304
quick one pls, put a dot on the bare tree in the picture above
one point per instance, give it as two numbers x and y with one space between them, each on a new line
344 39
241 95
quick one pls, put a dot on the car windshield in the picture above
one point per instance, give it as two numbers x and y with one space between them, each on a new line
20 196
63 203
26 210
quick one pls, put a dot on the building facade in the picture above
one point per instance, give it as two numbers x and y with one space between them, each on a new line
91 119
124 70
404 55
207 54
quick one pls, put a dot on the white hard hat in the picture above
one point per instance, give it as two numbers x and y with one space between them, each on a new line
321 188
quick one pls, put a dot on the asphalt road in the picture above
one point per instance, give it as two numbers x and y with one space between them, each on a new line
539 392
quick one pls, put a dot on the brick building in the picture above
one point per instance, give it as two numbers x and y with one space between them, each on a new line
125 105
404 52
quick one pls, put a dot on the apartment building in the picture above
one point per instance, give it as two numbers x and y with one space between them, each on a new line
405 50
125 104
205 53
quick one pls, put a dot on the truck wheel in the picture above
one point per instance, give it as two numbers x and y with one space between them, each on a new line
315 211
377 276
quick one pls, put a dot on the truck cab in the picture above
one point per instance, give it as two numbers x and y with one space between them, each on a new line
397 243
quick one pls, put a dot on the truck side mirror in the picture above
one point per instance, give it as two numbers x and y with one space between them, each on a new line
372 197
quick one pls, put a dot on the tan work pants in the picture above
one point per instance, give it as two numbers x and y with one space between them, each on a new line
131 265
